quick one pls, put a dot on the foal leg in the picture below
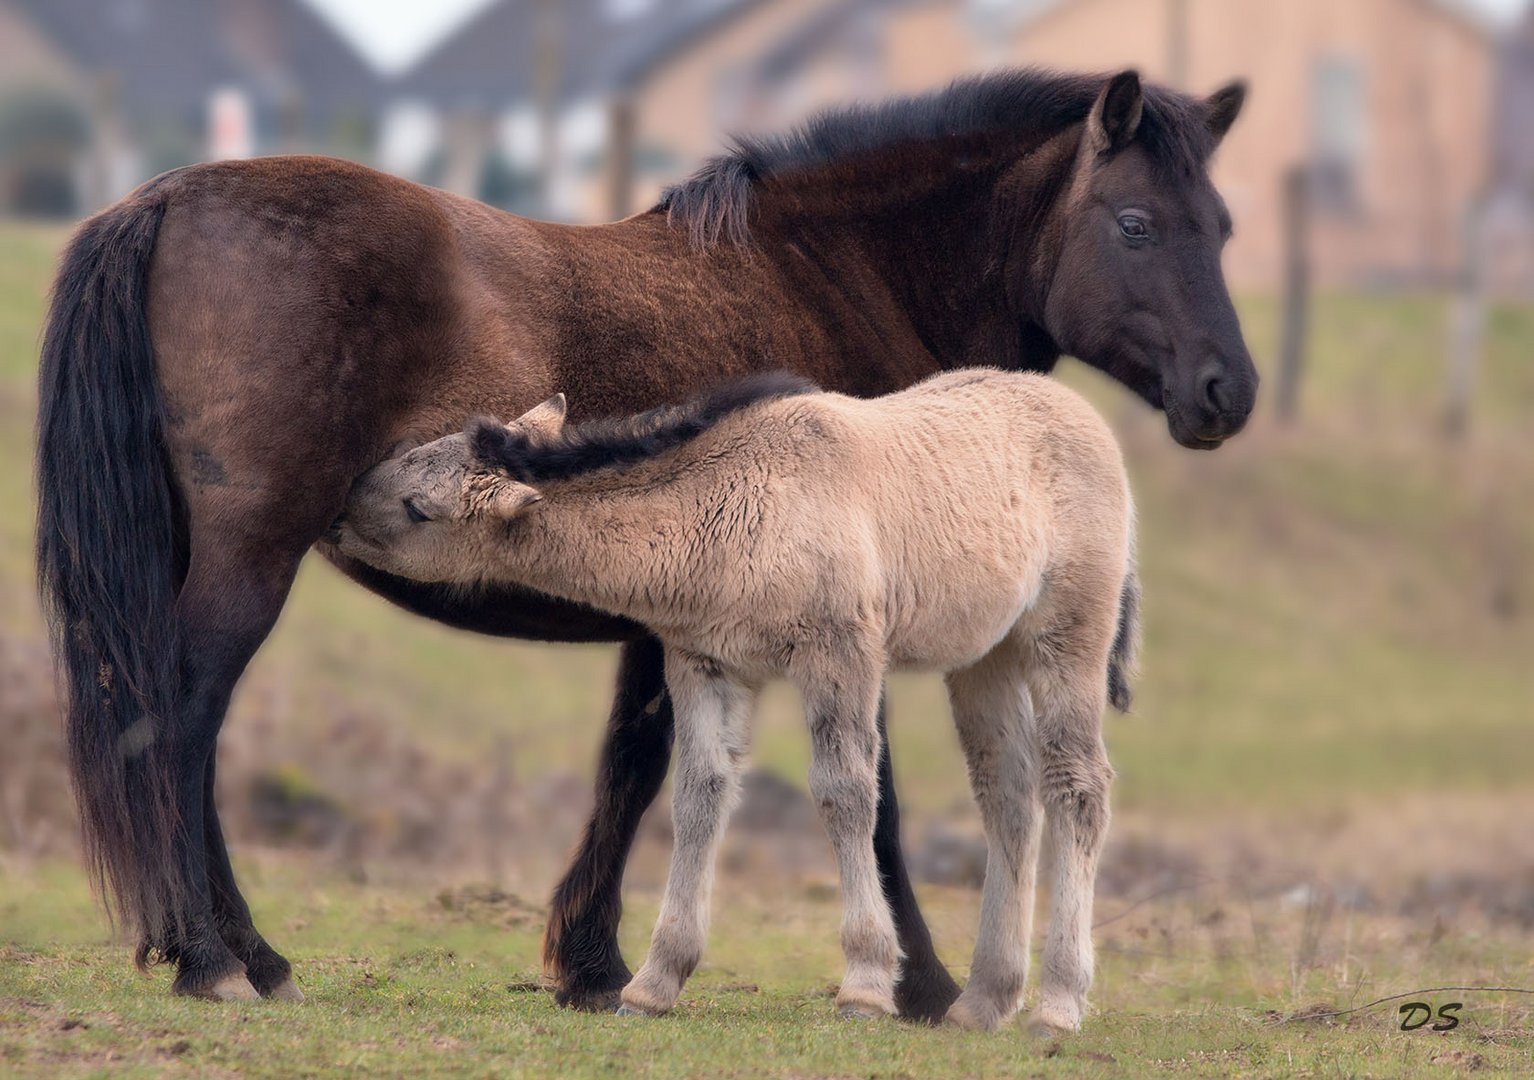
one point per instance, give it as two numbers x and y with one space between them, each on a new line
842 708
580 946
712 732
992 711
1069 696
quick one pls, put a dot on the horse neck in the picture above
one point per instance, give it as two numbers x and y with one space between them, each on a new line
607 540
937 237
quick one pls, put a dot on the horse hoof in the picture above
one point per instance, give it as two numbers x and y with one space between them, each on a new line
1048 1027
625 1009
592 1001
859 1012
287 990
230 988
963 1014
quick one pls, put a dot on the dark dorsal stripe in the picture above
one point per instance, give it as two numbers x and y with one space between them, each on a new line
1027 103
622 440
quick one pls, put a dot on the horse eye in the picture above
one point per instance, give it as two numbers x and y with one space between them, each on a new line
1133 227
413 512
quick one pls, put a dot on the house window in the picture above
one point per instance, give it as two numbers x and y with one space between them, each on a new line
1339 132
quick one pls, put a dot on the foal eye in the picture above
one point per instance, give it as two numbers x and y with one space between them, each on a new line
413 512
1133 227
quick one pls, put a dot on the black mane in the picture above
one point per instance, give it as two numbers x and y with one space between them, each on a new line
716 200
621 440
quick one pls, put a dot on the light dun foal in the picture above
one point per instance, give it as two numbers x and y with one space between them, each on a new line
979 524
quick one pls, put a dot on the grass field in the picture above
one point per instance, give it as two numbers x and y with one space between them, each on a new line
399 985
1336 691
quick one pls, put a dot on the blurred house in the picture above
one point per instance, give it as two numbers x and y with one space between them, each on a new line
1385 106
597 104
530 103
585 109
97 95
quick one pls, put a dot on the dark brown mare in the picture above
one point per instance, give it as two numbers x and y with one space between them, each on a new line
233 344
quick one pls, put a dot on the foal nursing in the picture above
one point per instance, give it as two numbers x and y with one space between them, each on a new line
979 524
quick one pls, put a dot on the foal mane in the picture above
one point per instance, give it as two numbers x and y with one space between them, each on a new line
623 440
1025 103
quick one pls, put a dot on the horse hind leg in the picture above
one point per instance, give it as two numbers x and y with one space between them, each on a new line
227 606
994 718
266 969
841 705
1070 693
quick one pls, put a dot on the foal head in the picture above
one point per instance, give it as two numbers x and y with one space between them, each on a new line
1135 235
437 512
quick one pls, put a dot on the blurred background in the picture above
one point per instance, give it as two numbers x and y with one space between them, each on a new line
1336 714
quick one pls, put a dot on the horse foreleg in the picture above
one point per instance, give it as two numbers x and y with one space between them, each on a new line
580 946
713 719
924 990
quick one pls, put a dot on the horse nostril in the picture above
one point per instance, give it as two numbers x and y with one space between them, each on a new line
1211 391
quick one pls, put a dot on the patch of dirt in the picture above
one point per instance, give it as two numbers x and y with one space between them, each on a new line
1459 1059
489 905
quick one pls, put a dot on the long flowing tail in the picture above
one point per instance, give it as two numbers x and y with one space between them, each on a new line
109 560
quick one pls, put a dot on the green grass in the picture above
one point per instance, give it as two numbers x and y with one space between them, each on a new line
1322 633
399 985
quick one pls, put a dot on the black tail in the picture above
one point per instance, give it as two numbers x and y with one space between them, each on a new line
109 560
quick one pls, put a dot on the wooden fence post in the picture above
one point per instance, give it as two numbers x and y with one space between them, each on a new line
1467 322
621 123
1291 352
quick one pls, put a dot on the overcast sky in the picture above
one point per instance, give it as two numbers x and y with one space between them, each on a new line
395 33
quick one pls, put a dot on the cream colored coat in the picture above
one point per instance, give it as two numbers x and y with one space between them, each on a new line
979 524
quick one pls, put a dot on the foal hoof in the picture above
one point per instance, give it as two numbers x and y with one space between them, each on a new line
286 990
625 1009
229 988
1045 1025
972 1017
863 1003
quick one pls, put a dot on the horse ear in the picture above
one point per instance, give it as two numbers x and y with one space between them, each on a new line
1223 106
1115 116
546 420
508 498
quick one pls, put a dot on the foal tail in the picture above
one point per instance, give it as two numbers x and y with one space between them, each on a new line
110 554
1126 641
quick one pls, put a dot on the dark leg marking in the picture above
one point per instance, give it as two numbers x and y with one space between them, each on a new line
580 946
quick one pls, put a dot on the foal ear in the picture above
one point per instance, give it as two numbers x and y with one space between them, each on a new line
1223 106
509 498
1115 117
546 420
